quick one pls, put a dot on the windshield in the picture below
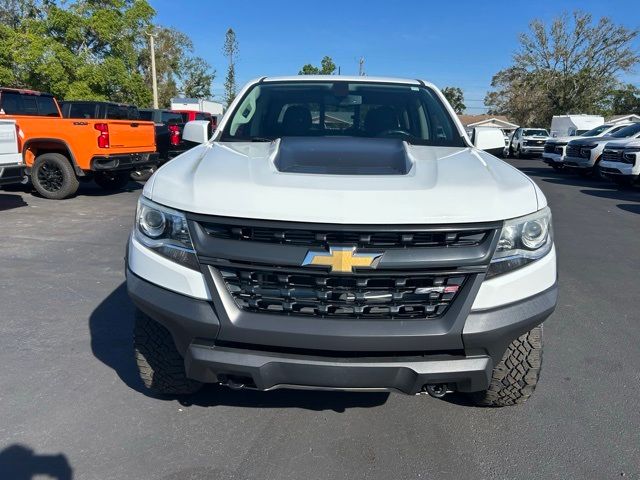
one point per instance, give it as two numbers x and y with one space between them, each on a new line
596 131
339 108
627 131
531 132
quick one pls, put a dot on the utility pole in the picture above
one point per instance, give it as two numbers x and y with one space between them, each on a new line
361 70
154 80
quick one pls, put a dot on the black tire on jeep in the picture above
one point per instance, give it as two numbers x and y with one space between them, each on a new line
53 176
112 180
515 378
160 365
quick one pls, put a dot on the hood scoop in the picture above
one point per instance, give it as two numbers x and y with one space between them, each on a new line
343 156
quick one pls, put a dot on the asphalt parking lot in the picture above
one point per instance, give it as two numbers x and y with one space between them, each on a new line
71 402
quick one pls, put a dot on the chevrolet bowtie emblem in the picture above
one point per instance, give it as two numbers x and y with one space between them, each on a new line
342 259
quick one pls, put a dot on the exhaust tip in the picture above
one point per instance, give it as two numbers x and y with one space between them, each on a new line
436 390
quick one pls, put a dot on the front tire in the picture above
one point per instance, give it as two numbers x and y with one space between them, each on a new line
160 365
53 177
515 378
112 181
518 153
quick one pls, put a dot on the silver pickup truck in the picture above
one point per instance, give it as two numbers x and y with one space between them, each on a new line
11 165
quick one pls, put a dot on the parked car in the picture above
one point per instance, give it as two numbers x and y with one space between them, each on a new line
527 141
574 125
168 128
386 252
96 109
621 161
11 166
555 148
60 152
584 154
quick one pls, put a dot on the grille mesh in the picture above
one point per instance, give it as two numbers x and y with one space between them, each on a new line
324 238
573 151
612 155
321 295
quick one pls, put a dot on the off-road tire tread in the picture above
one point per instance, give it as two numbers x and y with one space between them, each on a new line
160 365
515 378
71 182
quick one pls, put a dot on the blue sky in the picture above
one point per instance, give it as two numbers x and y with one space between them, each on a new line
459 43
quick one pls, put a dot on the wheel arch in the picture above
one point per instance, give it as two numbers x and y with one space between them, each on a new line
37 146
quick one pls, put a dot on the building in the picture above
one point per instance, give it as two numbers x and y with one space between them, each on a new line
632 117
498 121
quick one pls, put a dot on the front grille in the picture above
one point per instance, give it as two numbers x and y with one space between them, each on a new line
573 151
332 296
611 155
550 148
318 237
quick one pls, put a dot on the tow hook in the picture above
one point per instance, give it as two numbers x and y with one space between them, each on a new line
437 390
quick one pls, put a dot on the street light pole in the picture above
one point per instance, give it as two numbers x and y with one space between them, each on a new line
153 69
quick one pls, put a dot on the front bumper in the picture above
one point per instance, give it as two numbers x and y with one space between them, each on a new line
11 174
194 325
618 170
552 158
532 150
578 163
128 161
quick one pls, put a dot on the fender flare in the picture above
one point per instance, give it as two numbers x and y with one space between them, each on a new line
59 141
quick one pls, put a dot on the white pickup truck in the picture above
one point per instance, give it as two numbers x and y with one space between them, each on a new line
342 233
11 165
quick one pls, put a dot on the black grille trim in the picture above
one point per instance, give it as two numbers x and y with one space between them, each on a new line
388 296
362 237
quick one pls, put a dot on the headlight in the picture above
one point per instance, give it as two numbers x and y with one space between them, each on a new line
586 151
631 154
522 241
165 231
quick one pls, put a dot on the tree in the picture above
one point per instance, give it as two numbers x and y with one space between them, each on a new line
327 67
568 66
177 71
198 78
230 50
455 97
80 49
623 100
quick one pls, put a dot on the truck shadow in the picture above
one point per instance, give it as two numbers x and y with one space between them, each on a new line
111 328
11 201
18 462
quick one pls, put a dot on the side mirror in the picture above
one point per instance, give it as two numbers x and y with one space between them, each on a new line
196 131
488 139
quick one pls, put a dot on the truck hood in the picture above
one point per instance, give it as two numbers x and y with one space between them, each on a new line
624 143
441 185
584 141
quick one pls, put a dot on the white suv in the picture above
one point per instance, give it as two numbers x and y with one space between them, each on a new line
555 148
621 161
342 233
584 154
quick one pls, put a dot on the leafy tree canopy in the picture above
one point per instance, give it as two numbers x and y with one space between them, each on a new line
569 66
88 49
327 67
455 97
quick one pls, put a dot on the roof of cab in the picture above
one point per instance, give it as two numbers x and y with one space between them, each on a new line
345 78
24 91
